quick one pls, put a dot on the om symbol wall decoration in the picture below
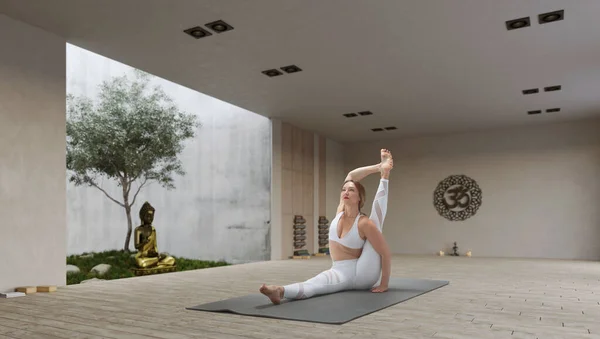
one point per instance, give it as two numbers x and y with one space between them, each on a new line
457 198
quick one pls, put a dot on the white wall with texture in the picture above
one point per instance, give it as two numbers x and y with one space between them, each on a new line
540 191
32 156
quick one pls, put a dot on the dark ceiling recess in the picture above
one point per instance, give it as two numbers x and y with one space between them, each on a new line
363 113
518 23
198 32
275 72
534 112
551 110
291 69
546 89
272 72
552 88
219 26
545 18
379 129
530 91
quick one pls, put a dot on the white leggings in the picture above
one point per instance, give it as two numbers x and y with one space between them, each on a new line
355 274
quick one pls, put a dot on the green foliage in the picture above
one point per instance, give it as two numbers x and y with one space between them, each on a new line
121 263
192 264
133 134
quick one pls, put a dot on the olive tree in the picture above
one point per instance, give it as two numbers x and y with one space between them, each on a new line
131 134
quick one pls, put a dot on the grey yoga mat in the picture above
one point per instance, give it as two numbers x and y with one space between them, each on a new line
336 308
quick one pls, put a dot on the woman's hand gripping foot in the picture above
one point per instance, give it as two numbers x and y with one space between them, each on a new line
387 163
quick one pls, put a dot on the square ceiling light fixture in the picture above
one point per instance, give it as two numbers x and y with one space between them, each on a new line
379 129
546 89
352 115
545 18
291 69
288 69
219 26
197 32
531 91
272 72
518 23
552 88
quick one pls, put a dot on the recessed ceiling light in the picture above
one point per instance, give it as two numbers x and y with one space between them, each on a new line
272 72
530 91
391 128
518 23
377 129
365 113
350 115
552 88
291 69
551 16
219 26
551 110
198 32
534 112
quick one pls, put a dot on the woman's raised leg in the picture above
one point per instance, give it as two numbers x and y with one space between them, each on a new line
368 266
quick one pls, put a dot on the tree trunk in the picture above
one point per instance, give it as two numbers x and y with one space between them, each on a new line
129 227
128 213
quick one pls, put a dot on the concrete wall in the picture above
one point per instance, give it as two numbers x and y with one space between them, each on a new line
540 191
32 157
276 224
219 210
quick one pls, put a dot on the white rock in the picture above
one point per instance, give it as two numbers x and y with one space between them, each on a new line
73 269
101 269
91 280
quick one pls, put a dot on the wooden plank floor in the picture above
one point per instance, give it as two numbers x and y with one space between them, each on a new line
486 298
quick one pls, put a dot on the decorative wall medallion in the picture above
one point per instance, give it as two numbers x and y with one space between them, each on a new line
457 197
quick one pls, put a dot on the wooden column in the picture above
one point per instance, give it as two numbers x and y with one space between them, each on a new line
297 184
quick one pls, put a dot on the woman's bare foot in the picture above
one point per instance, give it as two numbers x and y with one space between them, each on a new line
275 293
387 163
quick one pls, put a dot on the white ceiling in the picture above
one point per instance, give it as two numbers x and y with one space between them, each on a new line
424 66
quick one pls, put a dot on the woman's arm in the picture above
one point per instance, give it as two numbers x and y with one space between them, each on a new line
375 237
340 207
358 174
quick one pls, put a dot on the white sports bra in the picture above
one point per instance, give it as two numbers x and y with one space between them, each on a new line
352 239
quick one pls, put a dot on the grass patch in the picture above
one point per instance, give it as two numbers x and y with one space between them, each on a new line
121 264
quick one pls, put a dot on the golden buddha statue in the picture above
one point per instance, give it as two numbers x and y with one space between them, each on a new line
147 256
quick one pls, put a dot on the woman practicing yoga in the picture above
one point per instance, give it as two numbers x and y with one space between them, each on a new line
359 253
